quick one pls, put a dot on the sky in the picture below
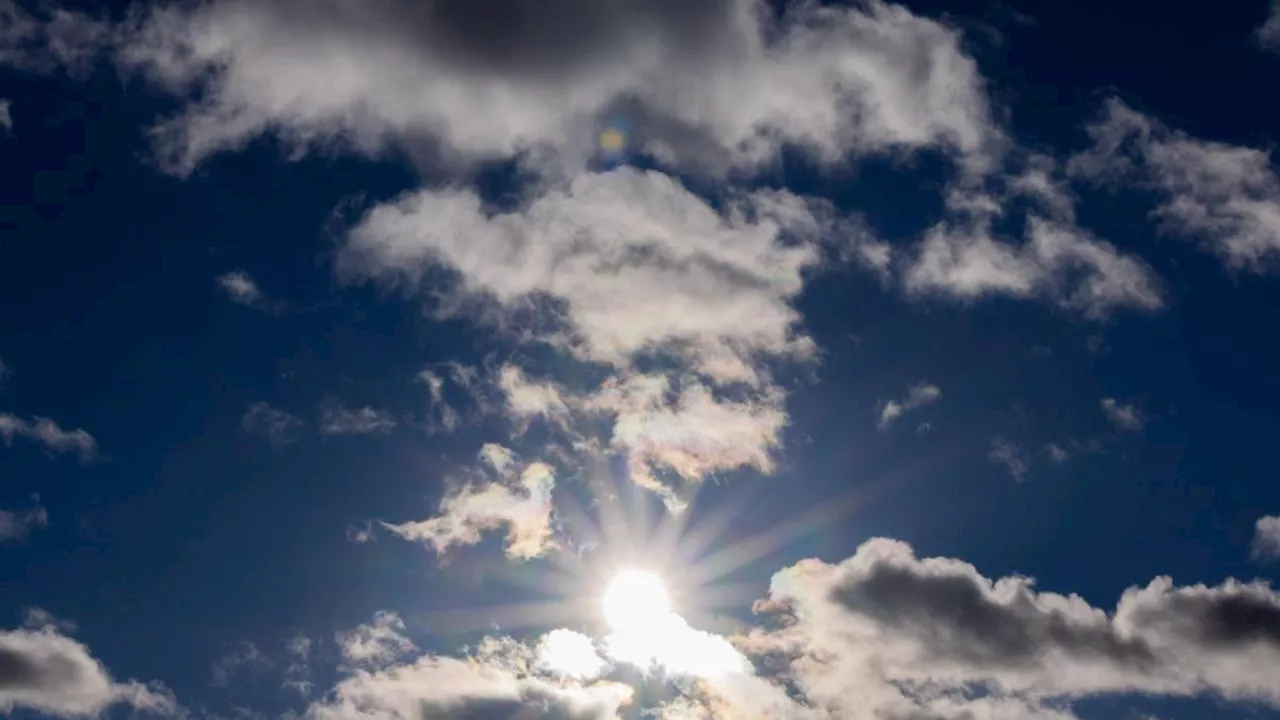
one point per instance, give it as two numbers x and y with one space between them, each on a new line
584 360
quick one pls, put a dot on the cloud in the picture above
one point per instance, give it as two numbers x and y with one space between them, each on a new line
490 685
526 400
1057 454
50 673
245 655
297 669
56 39
521 503
17 525
277 426
377 645
1225 196
1266 539
1269 32
717 84
50 435
441 415
887 634
918 396
240 287
1010 456
1124 417
6 119
1059 262
365 421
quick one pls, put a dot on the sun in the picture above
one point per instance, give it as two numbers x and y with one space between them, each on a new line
635 601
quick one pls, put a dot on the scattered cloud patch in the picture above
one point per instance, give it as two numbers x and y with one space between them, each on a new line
918 396
45 671
1128 418
379 644
244 657
1266 539
241 288
521 503
1269 32
17 525
1009 456
6 119
297 669
337 420
893 635
277 426
1225 196
48 434
1056 453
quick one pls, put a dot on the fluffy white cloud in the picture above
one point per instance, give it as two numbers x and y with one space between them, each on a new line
918 396
43 670
887 634
277 426
376 645
521 503
1226 196
1266 538
50 435
720 83
17 525
1059 262
1123 416
240 287
337 420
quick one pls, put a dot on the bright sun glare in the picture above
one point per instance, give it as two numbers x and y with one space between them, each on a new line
635 601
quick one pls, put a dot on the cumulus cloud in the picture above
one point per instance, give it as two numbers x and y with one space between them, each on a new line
277 426
1225 196
1123 416
45 671
498 683
337 420
49 435
1266 539
918 396
376 645
717 84
17 525
1009 456
887 634
521 503
1059 261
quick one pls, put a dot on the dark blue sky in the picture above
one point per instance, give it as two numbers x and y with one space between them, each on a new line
188 533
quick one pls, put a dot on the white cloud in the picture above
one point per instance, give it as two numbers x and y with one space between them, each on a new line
50 435
526 399
1269 32
886 634
918 396
1059 262
1124 417
441 415
17 525
338 420
377 645
55 39
1010 456
521 503
716 83
50 673
1266 539
1226 196
277 426
486 686
241 288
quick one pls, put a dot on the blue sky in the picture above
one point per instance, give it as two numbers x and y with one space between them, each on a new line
924 354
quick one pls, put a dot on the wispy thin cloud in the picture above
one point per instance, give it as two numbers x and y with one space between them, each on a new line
1123 416
1009 456
918 396
277 426
16 526
337 420
50 435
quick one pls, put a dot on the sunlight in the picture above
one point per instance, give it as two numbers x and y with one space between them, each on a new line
647 634
635 601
